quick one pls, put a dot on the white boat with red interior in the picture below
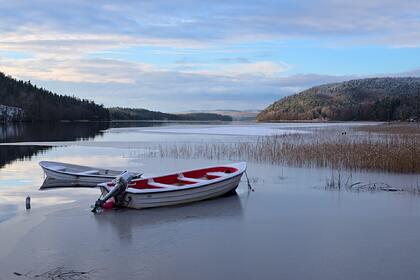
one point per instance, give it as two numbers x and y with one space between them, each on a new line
176 188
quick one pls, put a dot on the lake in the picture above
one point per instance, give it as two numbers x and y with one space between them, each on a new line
291 227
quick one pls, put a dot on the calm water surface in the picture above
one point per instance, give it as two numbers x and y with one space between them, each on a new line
289 228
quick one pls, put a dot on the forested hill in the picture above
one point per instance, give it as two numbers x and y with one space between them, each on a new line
23 101
118 113
372 99
27 102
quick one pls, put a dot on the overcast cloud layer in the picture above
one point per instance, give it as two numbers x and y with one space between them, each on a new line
182 55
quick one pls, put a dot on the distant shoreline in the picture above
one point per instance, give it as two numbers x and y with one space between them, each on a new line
316 121
207 121
110 121
171 121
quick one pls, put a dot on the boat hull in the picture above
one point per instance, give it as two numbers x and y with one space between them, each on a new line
141 200
79 180
77 175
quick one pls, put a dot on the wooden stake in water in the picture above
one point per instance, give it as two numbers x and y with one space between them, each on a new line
28 202
249 184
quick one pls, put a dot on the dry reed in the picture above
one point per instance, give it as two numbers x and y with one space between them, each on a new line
322 148
393 127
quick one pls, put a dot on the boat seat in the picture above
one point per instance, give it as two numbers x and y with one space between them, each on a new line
151 182
89 172
181 177
218 174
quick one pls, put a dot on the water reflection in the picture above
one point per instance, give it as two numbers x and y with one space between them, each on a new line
127 221
31 132
45 131
122 124
8 154
51 183
58 131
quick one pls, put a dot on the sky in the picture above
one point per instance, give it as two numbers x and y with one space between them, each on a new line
182 55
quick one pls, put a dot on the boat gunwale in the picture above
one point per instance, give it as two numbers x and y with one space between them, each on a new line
76 174
185 194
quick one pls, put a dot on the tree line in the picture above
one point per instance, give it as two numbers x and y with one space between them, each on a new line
118 113
39 104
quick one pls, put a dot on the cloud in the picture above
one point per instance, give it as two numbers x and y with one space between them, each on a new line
234 60
132 84
118 83
49 43
259 68
213 22
65 46
75 70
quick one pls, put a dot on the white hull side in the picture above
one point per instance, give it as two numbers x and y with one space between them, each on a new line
77 180
166 198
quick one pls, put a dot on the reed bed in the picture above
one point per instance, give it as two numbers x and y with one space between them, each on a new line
393 127
322 148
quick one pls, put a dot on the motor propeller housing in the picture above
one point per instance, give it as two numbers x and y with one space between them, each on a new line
121 183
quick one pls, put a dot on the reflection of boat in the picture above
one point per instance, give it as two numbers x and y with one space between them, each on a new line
128 222
71 174
50 183
177 188
54 183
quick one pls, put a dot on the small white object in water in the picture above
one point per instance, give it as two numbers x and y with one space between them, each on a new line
28 202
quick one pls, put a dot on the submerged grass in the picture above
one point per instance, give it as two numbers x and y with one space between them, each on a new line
339 181
353 150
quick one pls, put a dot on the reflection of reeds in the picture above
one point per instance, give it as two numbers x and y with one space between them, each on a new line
323 148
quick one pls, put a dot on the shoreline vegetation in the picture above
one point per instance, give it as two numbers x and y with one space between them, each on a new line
122 114
372 148
23 101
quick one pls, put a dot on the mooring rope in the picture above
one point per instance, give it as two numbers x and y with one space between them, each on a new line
249 184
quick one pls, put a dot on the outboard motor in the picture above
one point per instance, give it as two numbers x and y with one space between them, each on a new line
121 183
